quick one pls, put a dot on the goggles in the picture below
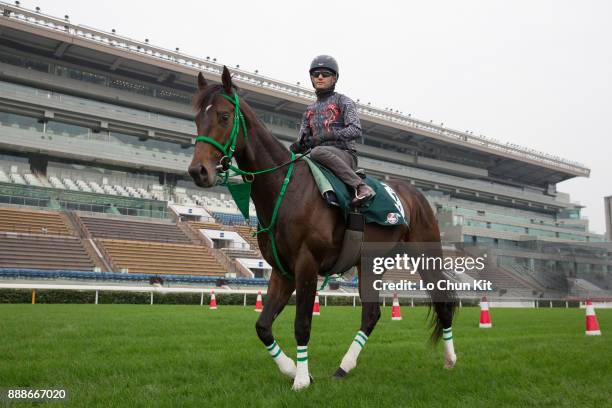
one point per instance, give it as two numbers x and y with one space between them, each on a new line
324 72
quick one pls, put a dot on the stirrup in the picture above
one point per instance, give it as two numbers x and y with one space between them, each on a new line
359 201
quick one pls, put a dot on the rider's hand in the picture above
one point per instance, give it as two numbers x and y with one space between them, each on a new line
296 147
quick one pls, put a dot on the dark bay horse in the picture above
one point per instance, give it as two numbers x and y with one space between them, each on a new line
308 232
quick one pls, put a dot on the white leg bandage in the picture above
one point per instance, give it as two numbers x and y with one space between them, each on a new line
302 377
350 358
450 358
284 363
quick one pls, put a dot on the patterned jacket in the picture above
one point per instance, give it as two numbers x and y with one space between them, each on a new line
331 121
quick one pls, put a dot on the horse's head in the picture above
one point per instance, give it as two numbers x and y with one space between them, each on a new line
220 126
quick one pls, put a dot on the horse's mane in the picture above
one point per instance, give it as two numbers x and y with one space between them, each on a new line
202 97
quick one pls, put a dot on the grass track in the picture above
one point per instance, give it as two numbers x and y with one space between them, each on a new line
188 356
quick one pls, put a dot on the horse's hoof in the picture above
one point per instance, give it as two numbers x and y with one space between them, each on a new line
339 374
311 379
449 362
300 385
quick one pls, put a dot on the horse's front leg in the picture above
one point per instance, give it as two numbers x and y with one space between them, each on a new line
279 292
306 286
370 314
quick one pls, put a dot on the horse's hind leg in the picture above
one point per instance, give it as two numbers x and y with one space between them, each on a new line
370 314
279 292
443 303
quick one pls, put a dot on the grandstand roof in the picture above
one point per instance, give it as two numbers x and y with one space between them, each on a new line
59 38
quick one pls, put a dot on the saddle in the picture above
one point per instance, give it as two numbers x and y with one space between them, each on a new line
384 209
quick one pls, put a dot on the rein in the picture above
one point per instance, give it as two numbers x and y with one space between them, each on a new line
225 166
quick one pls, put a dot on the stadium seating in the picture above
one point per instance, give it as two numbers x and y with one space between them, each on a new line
244 230
33 222
43 252
109 189
246 233
501 278
32 179
96 187
17 178
103 227
158 258
83 186
56 182
70 184
198 225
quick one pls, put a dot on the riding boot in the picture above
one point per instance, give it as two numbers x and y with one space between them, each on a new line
331 198
363 193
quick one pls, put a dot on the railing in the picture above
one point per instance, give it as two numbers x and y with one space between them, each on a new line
144 48
385 299
46 203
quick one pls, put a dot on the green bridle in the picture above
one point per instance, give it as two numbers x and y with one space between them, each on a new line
240 192
230 146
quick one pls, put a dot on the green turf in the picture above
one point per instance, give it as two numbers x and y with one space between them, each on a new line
189 356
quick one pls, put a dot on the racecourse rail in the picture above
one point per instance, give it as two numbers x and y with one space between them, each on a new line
220 291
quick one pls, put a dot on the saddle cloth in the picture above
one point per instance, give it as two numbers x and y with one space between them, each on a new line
385 209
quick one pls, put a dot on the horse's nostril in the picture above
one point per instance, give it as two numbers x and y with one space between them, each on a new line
194 171
198 173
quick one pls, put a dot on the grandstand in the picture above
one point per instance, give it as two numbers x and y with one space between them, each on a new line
96 135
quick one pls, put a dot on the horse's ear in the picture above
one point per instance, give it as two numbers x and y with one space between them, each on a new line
226 79
201 81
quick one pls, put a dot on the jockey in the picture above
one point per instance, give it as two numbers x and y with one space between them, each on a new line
330 126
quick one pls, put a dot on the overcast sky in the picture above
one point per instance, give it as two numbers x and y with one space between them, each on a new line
535 73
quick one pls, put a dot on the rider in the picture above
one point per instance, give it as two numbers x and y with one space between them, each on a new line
330 126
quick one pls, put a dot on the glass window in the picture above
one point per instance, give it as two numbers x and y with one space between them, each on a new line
131 86
66 129
68 72
94 78
124 139
11 59
37 65
171 95
20 121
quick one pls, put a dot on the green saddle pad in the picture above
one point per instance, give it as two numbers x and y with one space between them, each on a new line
385 209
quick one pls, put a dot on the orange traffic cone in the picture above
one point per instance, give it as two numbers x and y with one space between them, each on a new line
485 317
213 301
259 303
396 313
316 310
592 326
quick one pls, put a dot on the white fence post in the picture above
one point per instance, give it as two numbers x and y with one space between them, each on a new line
202 299
244 301
96 297
151 297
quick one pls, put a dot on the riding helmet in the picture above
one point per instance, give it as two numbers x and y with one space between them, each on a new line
325 61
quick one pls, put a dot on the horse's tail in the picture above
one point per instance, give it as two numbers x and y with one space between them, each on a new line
424 230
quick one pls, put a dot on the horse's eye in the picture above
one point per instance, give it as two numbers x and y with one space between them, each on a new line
225 116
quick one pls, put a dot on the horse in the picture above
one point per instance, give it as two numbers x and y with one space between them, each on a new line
308 232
